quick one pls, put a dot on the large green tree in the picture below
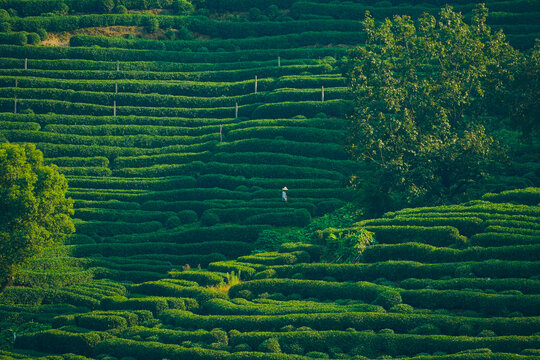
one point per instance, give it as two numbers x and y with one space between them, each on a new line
422 124
34 210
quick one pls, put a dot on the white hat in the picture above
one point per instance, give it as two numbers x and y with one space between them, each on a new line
285 189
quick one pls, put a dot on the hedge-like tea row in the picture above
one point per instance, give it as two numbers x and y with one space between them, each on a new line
101 54
165 183
121 141
230 249
234 75
132 216
167 288
290 41
435 235
526 286
288 133
272 307
176 336
492 304
372 345
154 304
150 66
329 151
489 239
466 225
115 130
109 228
96 161
276 258
431 254
528 196
491 209
400 270
402 323
58 341
310 288
299 218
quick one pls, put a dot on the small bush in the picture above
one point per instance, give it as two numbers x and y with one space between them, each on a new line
183 7
187 216
486 333
5 26
388 299
106 5
120 9
270 346
209 218
152 25
402 308
426 329
173 222
42 34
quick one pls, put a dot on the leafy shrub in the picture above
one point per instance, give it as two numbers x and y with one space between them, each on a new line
388 299
402 308
152 25
42 34
270 345
120 9
209 218
183 7
172 222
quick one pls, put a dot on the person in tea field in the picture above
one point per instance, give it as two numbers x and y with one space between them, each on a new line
284 194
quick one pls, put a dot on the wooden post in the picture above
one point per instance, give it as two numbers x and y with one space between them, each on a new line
255 84
279 61
322 94
16 82
236 112
15 106
117 65
116 87
114 108
25 63
220 133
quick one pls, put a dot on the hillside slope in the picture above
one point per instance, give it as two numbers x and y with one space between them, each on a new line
176 139
423 289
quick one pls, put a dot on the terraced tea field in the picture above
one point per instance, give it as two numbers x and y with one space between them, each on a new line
176 151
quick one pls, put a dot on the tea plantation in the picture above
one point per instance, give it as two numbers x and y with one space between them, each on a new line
177 128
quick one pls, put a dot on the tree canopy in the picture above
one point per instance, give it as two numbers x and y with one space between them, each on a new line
425 92
34 210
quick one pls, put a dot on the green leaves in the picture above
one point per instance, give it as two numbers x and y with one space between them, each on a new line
34 211
420 89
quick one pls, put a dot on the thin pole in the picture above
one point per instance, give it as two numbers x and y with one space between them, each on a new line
322 93
114 108
220 133
15 106
279 61
25 63
16 82
116 87
255 84
117 65
236 112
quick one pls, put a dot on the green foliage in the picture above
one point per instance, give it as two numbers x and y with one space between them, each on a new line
419 123
120 9
209 218
34 212
106 5
183 7
152 25
270 345
33 38
344 245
